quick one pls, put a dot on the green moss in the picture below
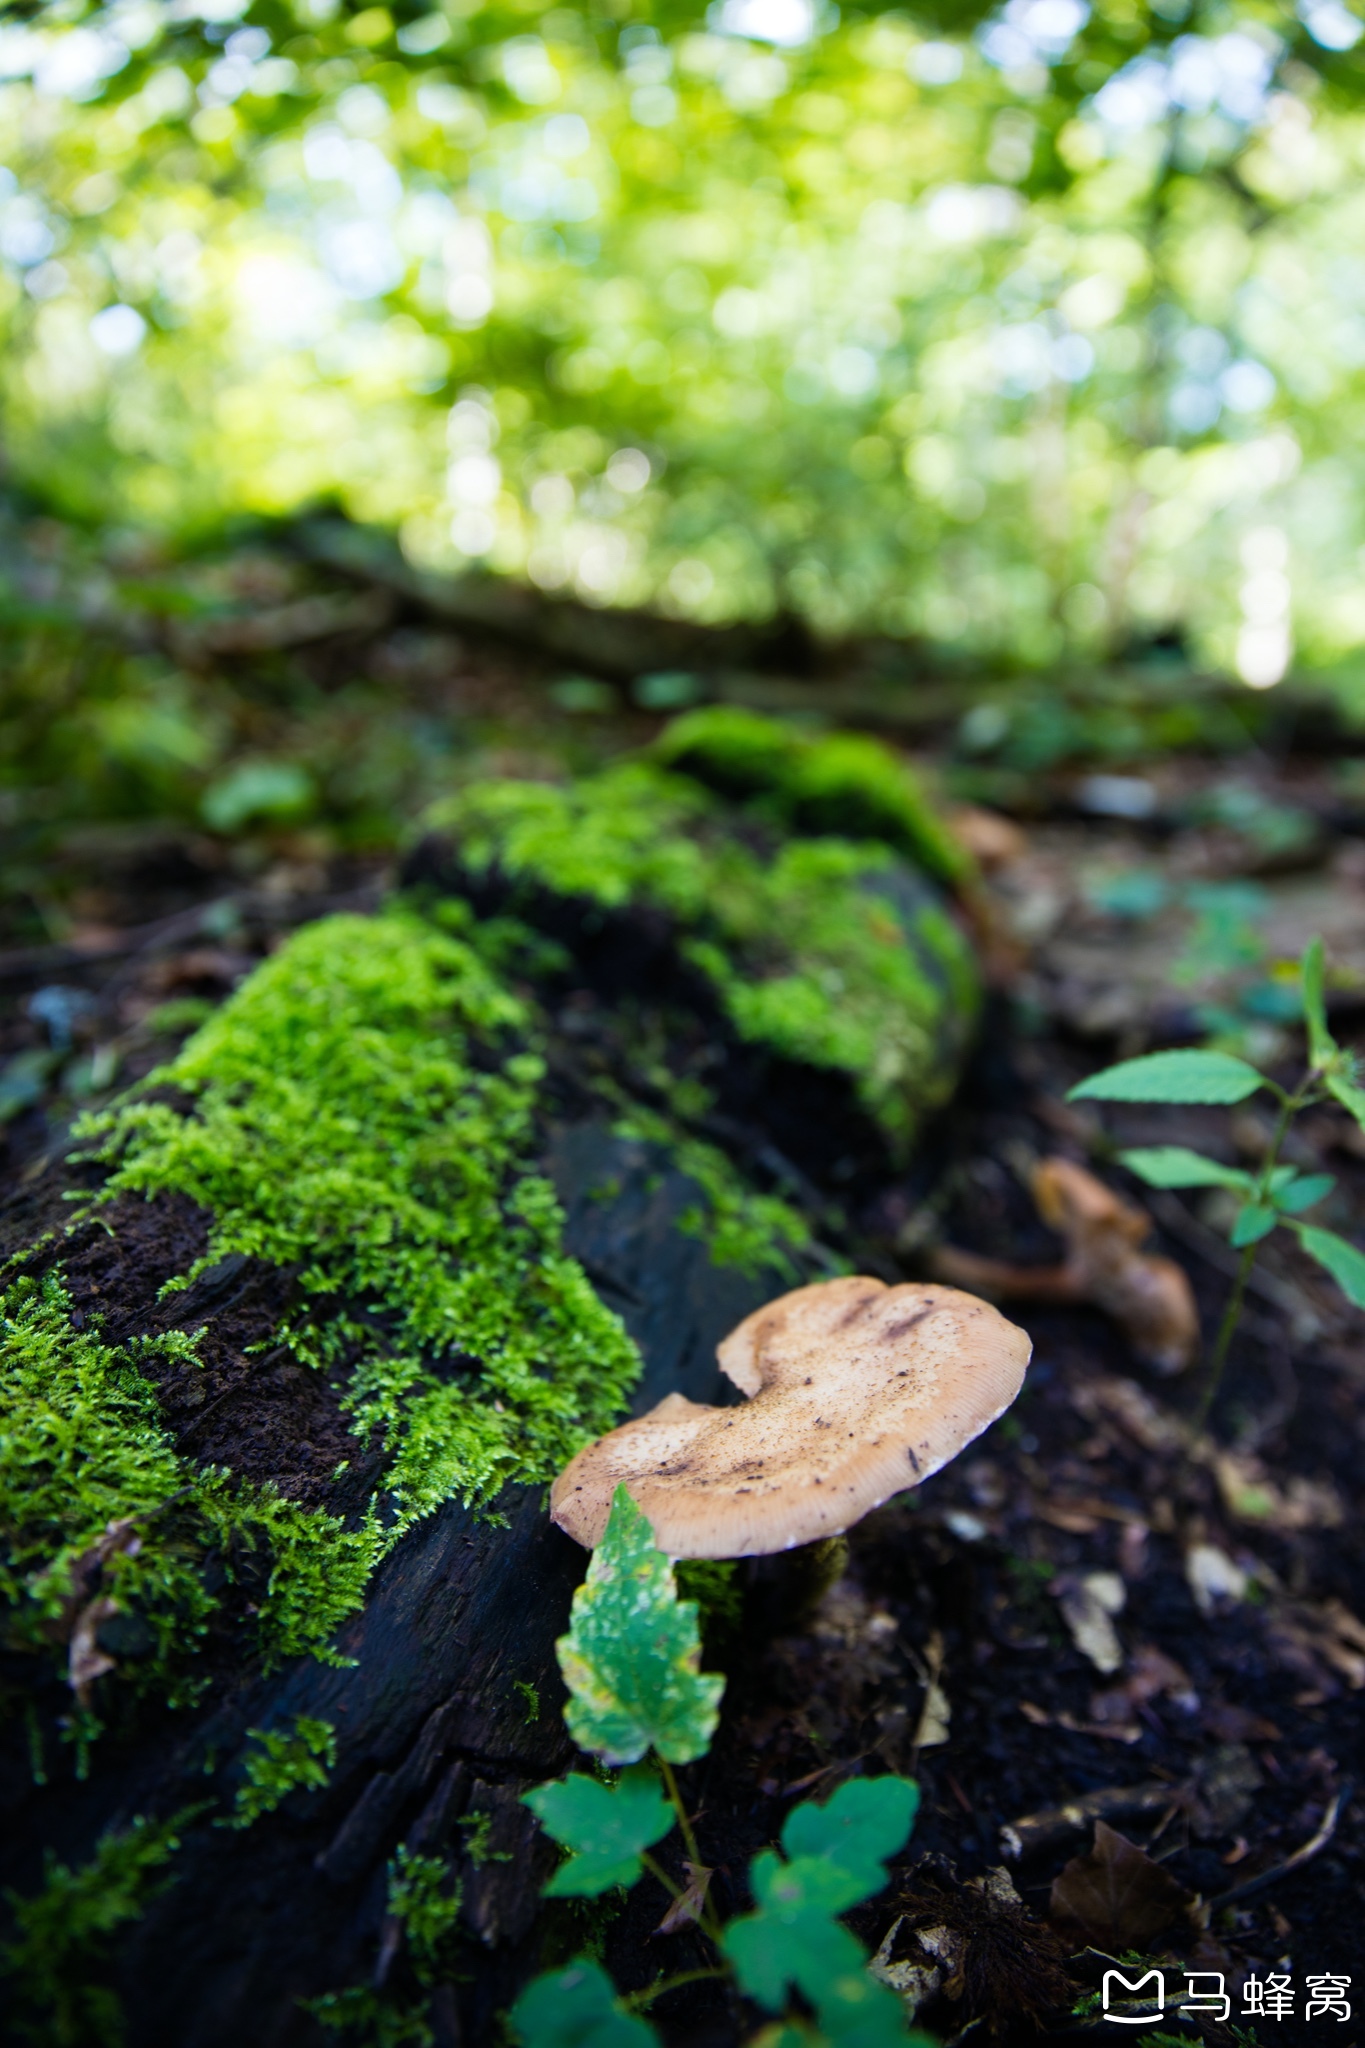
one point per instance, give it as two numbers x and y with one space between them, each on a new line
821 949
357 1112
754 1233
62 1935
93 1494
715 1586
351 1118
287 1761
425 1901
841 783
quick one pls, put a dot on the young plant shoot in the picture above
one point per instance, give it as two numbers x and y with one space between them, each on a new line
630 1661
1275 1196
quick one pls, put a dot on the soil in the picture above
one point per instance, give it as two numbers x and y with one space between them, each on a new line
1228 1739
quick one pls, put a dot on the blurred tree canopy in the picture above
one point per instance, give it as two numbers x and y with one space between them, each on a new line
1036 331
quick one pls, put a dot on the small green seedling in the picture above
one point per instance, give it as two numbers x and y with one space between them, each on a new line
630 1661
1274 1196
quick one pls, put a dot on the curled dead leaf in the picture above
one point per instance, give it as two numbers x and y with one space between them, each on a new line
690 1903
86 1661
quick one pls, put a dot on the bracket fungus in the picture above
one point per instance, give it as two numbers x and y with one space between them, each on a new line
856 1391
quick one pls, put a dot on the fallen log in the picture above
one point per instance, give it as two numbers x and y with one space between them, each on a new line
433 1197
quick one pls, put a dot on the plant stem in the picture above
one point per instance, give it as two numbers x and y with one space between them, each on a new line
1213 1372
1290 1105
636 1999
708 1923
675 1796
657 1871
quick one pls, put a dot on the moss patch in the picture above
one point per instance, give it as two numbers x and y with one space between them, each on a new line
824 950
63 1935
351 1117
843 783
358 1114
93 1494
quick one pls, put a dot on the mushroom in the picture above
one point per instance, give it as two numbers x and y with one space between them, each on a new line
1149 1296
856 1391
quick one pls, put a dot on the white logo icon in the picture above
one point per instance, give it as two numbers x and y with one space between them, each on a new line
1156 1998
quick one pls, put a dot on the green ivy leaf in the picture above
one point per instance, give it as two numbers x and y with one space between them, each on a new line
1176 1166
606 1827
576 2008
1343 1261
1254 1222
631 1655
865 1821
1302 1191
1321 1044
1187 1076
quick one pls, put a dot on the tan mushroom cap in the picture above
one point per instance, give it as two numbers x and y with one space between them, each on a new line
856 1391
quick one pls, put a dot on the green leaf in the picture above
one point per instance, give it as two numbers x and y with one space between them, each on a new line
576 2008
1343 1087
1302 1191
606 1827
1176 1166
1254 1222
631 1655
837 1855
1189 1076
1343 1261
858 2012
865 1821
1321 1044
794 1938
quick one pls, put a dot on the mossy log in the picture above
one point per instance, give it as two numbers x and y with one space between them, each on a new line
436 1196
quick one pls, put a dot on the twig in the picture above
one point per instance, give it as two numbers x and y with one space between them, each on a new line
1035 1831
1326 1829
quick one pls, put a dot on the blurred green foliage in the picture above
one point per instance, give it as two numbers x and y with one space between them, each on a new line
1031 331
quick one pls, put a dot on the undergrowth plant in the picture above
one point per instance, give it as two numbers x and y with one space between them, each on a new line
64 1935
1274 1196
640 1705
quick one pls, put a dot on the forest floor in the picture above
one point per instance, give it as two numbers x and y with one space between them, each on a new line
1098 1613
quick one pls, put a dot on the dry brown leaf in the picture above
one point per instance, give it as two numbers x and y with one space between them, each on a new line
936 1713
1088 1603
690 1904
1106 1399
1115 1896
1250 1495
86 1661
1151 1674
1320 1642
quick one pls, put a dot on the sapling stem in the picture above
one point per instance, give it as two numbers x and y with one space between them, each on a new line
1290 1105
660 1875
